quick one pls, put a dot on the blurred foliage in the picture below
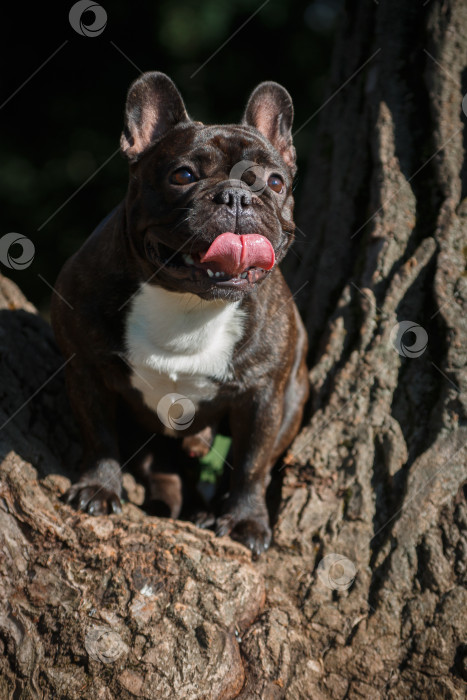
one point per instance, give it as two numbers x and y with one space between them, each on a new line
62 126
212 464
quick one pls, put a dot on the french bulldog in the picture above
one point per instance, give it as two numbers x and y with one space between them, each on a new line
174 315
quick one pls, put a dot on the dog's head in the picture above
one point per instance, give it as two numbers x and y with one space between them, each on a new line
209 208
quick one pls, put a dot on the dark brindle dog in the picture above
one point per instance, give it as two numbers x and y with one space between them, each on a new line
178 292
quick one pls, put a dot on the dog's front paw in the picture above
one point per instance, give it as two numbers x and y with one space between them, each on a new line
93 498
250 528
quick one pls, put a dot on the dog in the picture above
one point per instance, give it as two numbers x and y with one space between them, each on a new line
174 316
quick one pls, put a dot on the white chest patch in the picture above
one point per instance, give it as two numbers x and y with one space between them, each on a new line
178 343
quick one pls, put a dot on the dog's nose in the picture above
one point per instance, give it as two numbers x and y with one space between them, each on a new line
236 198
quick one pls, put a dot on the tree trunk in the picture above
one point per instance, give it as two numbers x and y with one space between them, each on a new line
363 594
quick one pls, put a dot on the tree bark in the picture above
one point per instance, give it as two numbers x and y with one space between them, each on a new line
363 594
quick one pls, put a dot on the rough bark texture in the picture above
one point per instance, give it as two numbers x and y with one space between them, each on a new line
133 606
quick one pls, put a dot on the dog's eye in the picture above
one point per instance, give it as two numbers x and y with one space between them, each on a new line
276 183
182 176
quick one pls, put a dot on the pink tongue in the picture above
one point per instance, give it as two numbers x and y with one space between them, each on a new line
235 254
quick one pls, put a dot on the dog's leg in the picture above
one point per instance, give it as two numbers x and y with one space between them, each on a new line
164 496
199 444
99 489
254 424
262 427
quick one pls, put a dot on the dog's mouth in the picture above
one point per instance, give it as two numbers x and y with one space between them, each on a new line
231 260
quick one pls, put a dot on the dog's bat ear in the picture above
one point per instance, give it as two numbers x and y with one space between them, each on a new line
153 106
270 110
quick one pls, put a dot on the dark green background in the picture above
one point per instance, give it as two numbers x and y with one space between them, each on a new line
66 120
